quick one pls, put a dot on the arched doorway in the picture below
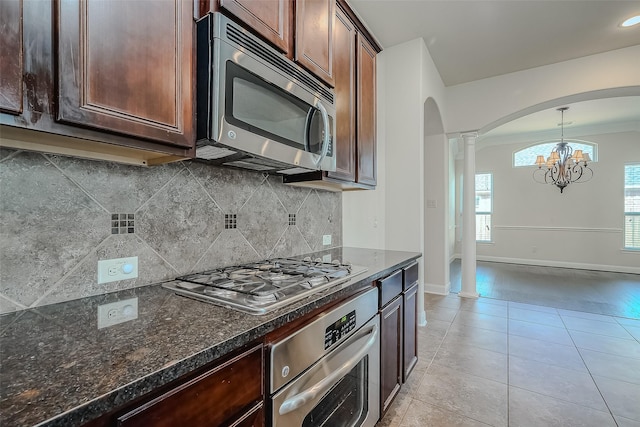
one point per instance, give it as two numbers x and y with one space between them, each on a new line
435 239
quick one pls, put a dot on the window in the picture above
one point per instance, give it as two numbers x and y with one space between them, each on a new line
527 156
484 206
632 206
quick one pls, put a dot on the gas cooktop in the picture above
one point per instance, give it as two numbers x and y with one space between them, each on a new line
261 287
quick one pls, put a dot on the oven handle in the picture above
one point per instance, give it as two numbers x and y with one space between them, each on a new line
300 399
327 133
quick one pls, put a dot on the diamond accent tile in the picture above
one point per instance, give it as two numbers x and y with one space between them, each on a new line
333 203
5 153
48 225
117 187
180 222
230 188
291 243
7 306
230 248
311 220
263 220
291 197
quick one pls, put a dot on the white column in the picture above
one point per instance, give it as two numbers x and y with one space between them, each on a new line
469 218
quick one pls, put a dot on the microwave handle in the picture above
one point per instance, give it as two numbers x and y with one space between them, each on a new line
300 399
327 133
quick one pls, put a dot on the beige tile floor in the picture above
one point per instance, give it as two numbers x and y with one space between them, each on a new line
502 363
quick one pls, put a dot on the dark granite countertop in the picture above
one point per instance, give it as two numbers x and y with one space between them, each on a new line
58 369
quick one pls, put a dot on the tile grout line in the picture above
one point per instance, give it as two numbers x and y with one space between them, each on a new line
508 370
589 371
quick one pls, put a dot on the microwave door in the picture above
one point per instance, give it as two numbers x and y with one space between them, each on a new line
318 133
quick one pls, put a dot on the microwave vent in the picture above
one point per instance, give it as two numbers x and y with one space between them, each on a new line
250 44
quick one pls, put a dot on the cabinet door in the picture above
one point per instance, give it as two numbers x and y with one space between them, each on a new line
127 67
410 329
220 396
269 18
11 56
366 128
314 37
390 352
344 61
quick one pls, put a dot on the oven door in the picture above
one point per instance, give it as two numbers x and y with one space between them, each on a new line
341 390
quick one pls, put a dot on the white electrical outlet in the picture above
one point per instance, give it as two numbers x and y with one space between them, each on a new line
112 270
326 239
326 258
117 312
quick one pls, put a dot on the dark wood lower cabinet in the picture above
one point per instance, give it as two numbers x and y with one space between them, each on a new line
410 326
391 347
229 394
399 334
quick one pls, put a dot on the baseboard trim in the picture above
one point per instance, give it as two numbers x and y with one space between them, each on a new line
437 289
468 294
562 264
422 318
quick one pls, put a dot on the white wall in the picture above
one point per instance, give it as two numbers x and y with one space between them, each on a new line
477 105
580 228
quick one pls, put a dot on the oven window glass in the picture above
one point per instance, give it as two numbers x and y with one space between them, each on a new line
262 108
345 405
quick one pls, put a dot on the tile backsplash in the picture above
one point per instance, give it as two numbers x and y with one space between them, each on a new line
60 215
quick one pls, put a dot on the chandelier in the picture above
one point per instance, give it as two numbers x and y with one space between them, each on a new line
564 165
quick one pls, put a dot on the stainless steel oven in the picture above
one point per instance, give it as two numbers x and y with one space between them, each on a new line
327 373
256 109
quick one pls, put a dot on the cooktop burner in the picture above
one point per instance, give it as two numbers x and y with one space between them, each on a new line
258 288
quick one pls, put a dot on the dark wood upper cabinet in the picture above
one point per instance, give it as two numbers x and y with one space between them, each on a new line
354 70
344 69
314 37
127 67
269 18
366 80
11 56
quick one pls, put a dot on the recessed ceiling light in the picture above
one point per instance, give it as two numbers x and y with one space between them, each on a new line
634 20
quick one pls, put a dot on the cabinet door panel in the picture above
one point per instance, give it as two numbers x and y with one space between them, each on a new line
314 37
269 18
344 61
214 398
410 319
391 352
11 56
126 67
366 137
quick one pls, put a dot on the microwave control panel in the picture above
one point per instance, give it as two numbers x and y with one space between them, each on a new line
339 329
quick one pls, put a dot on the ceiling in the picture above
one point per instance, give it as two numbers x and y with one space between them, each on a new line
470 40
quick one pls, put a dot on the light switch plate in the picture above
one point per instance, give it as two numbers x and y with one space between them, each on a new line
326 239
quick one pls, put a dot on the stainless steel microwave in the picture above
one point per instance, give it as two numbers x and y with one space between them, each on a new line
256 109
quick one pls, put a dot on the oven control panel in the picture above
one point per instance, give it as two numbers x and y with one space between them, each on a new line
339 329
